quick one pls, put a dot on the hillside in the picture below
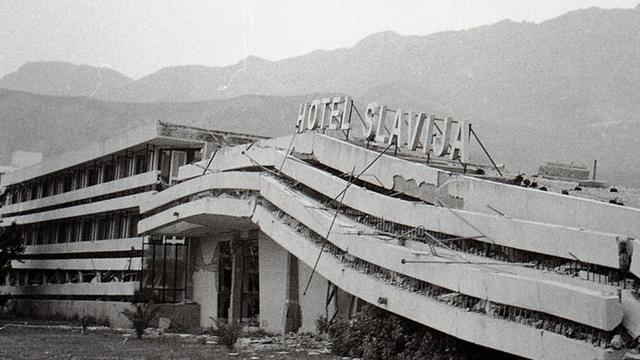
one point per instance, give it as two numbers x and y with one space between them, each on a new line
64 79
55 124
565 89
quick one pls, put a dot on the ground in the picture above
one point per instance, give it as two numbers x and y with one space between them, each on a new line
38 342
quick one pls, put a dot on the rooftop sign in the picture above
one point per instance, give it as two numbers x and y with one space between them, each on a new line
413 131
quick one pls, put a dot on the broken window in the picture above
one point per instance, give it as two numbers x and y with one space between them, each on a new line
238 263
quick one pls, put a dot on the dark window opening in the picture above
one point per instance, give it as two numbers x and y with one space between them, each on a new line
109 172
140 164
67 183
249 282
93 176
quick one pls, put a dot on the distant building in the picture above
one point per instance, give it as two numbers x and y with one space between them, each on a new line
563 171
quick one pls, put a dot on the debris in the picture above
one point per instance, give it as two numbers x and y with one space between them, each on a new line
616 342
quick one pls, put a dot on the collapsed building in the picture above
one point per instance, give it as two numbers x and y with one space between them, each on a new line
276 232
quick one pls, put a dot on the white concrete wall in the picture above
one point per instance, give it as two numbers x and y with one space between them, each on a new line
134 263
125 244
588 246
631 305
93 288
205 276
219 206
102 311
635 258
524 203
531 289
273 284
226 180
515 338
312 304
594 247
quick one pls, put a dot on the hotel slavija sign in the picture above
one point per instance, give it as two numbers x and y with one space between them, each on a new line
408 130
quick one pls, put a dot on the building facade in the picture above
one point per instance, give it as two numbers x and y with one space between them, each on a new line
78 215
275 233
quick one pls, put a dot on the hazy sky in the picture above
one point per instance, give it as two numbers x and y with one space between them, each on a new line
138 37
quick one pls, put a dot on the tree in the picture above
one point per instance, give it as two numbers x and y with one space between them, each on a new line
11 246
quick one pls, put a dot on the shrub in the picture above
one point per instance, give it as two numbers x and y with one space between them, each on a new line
322 324
377 334
228 333
86 321
142 316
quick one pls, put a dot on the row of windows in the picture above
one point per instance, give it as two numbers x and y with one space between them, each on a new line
81 177
36 277
117 167
112 226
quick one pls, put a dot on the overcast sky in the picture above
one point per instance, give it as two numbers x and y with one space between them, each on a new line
138 37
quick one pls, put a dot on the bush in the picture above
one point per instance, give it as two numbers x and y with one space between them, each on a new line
142 316
322 324
377 334
228 333
86 321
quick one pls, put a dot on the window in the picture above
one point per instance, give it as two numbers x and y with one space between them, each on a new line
87 230
80 179
123 167
93 176
34 190
57 185
103 229
133 225
140 164
109 172
178 158
45 188
67 183
165 165
73 231
63 231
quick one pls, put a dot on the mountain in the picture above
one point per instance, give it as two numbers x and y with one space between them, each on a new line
52 124
565 89
64 79
595 50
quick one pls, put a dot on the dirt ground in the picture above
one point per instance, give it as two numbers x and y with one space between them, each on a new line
26 342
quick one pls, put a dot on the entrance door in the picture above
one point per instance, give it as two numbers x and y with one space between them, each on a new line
238 282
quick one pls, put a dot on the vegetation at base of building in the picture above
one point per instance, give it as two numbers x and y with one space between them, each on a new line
141 316
378 334
227 333
86 321
11 246
322 324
